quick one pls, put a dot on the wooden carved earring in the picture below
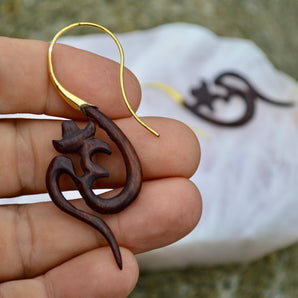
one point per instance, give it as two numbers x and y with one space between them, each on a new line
203 96
83 142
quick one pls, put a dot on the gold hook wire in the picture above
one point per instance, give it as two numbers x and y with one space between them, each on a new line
178 98
76 102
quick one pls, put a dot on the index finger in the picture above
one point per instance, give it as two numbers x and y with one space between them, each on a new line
25 86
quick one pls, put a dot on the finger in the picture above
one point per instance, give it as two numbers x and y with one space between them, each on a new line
92 274
40 236
175 153
26 87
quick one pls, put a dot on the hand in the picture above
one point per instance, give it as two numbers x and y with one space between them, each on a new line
47 253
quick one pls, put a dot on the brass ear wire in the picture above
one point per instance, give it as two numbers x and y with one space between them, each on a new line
178 98
76 102
174 94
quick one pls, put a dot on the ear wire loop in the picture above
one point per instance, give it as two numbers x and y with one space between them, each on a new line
76 102
178 98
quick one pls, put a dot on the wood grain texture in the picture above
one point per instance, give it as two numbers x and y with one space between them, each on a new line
83 141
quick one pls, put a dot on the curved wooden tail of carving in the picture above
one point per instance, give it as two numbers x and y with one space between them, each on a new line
62 165
251 89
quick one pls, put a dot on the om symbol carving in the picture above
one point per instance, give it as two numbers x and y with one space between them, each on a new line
83 142
204 97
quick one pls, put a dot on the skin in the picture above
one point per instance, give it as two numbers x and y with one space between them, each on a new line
47 253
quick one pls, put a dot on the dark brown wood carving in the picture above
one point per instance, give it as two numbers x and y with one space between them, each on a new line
82 141
204 97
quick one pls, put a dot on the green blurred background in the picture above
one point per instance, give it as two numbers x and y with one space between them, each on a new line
271 24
